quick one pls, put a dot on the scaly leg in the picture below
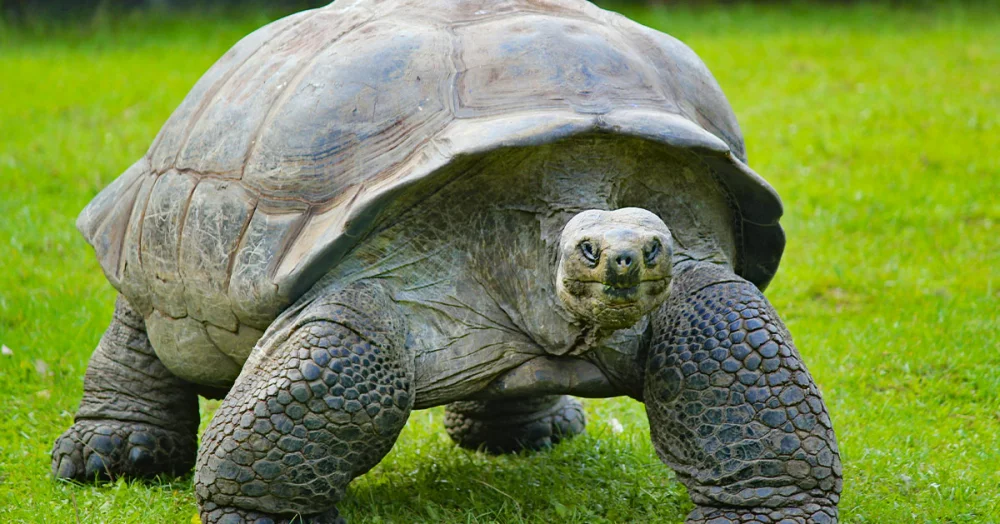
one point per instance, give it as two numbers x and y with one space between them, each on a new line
136 418
510 425
309 413
733 410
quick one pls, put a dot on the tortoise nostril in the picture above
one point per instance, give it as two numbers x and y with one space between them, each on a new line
624 261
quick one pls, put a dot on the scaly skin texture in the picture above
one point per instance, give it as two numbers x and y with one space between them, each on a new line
509 426
320 407
136 419
211 512
733 410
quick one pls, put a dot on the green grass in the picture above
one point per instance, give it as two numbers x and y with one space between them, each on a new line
879 127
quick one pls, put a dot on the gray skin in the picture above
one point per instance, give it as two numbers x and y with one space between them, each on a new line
499 266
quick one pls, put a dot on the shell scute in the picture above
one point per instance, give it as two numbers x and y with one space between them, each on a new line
544 63
162 227
174 134
254 296
218 213
352 119
226 131
133 283
185 348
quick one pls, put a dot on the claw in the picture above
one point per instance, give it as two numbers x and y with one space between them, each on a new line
95 466
110 449
66 469
140 458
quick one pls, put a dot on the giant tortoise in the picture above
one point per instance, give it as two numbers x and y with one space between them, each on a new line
387 205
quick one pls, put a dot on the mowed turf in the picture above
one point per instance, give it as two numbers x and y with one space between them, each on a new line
879 127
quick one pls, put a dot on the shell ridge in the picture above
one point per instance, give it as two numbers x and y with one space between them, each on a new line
236 249
292 234
455 59
409 209
182 221
142 225
572 15
203 173
718 131
240 247
317 212
390 141
387 140
136 278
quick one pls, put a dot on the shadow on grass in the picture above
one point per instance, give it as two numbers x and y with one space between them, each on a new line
592 478
584 480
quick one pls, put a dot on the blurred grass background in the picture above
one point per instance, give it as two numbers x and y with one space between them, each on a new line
879 125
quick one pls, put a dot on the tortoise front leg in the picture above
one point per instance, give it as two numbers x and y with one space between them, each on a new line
733 410
318 403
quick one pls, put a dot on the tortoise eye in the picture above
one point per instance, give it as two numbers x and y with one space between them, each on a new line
588 251
652 252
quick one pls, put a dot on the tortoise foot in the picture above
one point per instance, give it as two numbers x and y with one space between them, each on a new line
215 514
108 449
509 426
808 514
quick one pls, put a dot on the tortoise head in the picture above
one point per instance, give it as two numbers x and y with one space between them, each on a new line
614 266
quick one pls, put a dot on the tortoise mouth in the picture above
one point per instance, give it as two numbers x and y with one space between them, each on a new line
633 286
621 296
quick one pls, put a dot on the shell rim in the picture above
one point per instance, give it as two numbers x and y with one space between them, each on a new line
760 237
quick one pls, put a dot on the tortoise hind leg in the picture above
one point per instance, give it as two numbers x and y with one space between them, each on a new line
136 418
311 411
512 425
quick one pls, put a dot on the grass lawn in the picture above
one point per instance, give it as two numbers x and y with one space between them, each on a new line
879 127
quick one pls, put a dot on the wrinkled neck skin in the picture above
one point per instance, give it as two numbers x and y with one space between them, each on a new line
472 262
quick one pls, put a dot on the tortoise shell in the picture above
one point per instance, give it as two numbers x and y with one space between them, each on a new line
284 153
